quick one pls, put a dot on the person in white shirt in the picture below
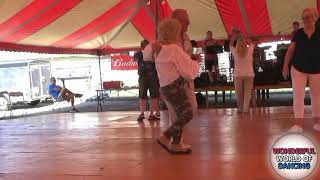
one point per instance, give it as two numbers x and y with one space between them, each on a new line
175 68
243 73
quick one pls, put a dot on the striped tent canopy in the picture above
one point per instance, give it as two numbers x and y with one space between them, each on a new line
105 26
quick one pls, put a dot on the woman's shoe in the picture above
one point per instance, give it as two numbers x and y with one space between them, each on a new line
152 118
180 149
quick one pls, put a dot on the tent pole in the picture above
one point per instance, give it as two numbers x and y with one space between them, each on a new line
156 17
149 11
245 17
99 58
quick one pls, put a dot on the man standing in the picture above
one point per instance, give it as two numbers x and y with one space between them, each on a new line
211 57
148 80
62 94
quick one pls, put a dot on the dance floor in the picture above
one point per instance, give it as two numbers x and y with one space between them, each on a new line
112 146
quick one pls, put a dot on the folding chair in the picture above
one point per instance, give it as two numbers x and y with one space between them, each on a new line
58 105
12 98
5 102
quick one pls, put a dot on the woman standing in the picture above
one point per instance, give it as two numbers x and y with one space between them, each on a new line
175 68
243 73
304 52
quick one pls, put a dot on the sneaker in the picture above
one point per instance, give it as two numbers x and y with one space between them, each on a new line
180 149
78 95
141 117
74 110
157 116
152 118
296 129
164 142
316 127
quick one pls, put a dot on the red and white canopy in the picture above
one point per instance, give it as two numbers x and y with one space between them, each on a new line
103 26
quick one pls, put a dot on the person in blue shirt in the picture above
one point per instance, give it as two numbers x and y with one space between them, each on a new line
62 94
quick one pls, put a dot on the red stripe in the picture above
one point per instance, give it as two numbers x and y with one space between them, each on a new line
258 16
164 9
104 23
318 6
145 24
231 15
57 10
22 16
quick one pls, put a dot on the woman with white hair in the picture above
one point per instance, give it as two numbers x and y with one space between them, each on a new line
243 73
175 68
304 52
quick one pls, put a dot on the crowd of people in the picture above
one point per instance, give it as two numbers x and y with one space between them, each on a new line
176 67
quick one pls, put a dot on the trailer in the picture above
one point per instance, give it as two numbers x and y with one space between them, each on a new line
31 77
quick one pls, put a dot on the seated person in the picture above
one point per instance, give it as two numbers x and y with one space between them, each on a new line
62 94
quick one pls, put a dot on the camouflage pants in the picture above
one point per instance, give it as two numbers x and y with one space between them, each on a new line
176 95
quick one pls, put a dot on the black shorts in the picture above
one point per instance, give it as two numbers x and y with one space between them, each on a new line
150 83
209 63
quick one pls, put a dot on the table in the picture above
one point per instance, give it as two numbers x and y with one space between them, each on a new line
72 78
103 94
261 91
216 88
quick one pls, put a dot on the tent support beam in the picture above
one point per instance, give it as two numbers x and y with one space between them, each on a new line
245 16
123 26
156 17
99 58
149 11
